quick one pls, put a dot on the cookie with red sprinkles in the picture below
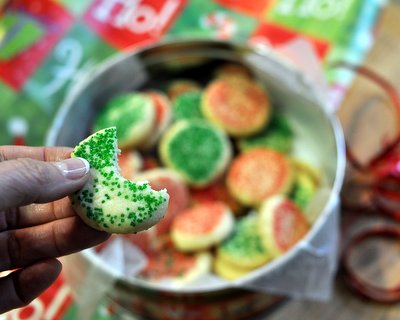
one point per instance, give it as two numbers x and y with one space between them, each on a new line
239 106
175 267
258 174
281 224
163 117
202 226
179 195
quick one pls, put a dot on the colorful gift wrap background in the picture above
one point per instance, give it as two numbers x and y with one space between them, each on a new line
47 45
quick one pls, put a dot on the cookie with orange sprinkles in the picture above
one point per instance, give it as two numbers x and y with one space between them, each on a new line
108 201
196 150
258 174
239 106
202 226
281 224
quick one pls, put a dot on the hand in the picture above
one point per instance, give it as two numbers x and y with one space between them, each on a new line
37 222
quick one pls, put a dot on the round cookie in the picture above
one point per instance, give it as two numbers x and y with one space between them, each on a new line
281 224
178 268
198 151
216 191
277 135
163 117
303 190
187 105
130 163
239 106
179 86
202 226
230 70
258 174
108 201
179 196
132 113
244 248
229 271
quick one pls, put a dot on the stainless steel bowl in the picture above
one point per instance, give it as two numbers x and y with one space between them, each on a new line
319 140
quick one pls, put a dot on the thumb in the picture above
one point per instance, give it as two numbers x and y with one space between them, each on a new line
24 181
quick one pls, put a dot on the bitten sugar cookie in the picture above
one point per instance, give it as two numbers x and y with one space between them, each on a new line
108 201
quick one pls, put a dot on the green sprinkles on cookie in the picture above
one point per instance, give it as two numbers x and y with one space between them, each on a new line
134 116
109 202
187 105
196 150
277 135
244 246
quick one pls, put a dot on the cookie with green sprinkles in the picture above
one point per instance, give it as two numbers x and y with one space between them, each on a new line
196 150
244 247
108 201
134 116
277 135
187 105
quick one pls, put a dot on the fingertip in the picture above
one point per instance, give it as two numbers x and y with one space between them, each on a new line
73 168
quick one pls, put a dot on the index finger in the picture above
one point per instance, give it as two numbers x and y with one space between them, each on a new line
37 153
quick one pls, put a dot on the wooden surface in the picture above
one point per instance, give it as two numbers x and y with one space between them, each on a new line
384 58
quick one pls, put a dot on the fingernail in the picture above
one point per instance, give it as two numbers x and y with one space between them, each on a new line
73 168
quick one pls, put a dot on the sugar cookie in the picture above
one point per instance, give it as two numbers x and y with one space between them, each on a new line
132 113
187 105
198 151
163 117
174 267
239 106
258 174
108 201
281 224
179 196
277 135
229 271
179 86
202 226
244 248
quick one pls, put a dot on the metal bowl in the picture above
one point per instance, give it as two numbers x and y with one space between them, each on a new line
319 140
